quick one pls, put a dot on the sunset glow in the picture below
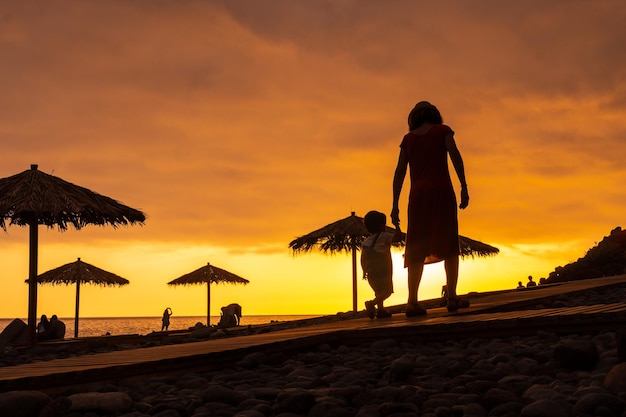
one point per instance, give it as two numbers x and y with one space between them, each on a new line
236 126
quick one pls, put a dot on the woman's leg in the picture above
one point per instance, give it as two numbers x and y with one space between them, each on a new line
415 277
451 265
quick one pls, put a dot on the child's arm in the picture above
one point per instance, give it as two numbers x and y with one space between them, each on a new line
398 236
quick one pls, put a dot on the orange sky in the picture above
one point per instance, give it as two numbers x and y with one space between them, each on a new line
237 126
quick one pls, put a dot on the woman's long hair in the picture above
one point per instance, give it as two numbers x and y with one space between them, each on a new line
424 112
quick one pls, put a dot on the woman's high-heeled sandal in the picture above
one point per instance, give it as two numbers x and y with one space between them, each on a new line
455 303
414 310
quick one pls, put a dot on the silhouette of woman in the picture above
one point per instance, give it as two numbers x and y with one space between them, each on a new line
432 230
165 321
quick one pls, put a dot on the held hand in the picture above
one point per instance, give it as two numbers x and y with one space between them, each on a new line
464 198
395 217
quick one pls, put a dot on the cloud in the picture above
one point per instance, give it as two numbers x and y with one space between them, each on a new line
255 122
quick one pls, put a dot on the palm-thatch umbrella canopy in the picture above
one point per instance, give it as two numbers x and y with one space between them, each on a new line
32 198
208 275
346 235
78 273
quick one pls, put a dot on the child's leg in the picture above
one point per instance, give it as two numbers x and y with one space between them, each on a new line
380 299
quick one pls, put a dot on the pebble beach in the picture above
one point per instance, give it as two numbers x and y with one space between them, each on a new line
546 374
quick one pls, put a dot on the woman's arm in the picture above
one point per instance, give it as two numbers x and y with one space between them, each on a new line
457 163
398 180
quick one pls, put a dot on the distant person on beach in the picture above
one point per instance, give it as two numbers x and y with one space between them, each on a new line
43 328
520 286
165 320
530 282
432 229
57 328
376 261
230 316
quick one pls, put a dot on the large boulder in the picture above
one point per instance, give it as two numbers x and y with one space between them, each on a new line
106 402
16 333
615 380
22 403
577 355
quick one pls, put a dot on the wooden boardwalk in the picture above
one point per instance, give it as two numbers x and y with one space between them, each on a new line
497 314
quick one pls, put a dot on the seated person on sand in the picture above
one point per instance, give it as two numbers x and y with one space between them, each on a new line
520 286
530 282
231 316
43 328
57 328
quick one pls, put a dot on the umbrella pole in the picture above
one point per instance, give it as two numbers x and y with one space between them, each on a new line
32 282
77 304
208 304
354 295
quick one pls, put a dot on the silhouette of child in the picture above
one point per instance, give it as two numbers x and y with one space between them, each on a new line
530 282
376 261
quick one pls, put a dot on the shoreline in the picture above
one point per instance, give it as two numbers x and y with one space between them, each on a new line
546 374
16 355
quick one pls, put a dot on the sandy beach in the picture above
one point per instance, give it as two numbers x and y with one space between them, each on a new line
546 374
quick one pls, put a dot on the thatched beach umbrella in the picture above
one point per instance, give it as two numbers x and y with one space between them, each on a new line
78 273
346 235
32 198
208 275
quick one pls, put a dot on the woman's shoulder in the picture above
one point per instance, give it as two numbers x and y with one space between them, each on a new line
444 128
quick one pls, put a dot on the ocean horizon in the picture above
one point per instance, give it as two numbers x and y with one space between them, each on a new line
100 326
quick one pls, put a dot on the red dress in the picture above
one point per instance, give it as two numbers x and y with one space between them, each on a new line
433 230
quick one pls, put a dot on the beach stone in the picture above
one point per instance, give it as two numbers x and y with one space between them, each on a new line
514 383
590 404
402 367
384 344
512 408
191 381
391 393
247 413
615 380
577 355
220 394
527 366
253 360
202 332
368 411
110 402
56 408
470 410
398 408
22 403
544 408
265 393
329 409
541 392
496 396
214 409
135 414
167 413
620 338
480 386
436 403
295 400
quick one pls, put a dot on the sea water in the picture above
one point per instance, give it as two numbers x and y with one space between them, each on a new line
99 326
